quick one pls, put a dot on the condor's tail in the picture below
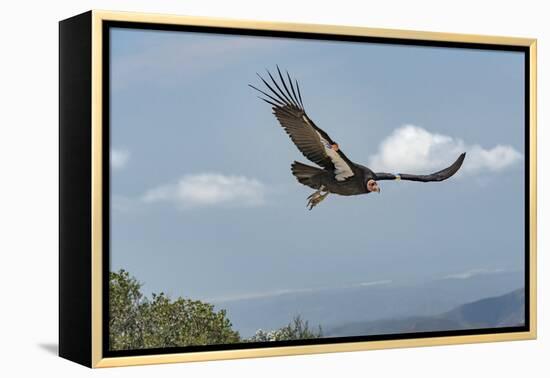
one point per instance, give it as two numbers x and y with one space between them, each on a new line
306 174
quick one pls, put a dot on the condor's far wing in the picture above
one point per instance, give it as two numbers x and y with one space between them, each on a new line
316 145
444 174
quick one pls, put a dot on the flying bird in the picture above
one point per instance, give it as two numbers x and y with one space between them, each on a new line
337 174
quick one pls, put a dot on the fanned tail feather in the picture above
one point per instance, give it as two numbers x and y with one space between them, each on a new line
306 174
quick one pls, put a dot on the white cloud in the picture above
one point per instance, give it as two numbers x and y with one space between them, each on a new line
412 149
119 158
280 292
123 204
209 189
375 283
473 272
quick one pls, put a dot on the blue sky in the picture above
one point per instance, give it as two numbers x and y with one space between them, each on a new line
205 206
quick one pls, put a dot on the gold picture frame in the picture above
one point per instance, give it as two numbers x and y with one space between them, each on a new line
81 228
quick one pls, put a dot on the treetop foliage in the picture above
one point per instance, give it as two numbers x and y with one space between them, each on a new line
137 322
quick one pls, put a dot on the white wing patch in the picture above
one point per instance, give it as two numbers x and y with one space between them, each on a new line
341 169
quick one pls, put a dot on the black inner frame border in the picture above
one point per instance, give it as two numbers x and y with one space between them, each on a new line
106 190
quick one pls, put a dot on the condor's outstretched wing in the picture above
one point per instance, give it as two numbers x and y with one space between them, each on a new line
316 145
444 174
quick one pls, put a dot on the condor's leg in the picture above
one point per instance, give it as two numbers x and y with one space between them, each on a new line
316 198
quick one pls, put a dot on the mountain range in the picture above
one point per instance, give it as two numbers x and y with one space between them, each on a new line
507 310
335 308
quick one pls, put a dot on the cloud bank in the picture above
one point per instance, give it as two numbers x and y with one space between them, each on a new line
280 292
473 273
412 149
119 158
209 189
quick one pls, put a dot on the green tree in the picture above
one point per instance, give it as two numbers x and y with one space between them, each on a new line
185 322
137 322
126 306
297 329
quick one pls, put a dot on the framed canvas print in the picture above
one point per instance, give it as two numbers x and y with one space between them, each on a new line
234 189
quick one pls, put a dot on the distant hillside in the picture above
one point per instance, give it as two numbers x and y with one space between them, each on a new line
502 311
335 307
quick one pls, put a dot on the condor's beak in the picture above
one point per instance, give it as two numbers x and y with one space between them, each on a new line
378 190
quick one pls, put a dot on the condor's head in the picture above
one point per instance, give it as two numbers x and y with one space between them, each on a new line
372 186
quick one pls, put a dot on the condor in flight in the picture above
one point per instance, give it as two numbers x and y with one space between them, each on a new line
338 175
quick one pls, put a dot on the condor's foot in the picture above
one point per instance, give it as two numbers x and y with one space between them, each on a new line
316 198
